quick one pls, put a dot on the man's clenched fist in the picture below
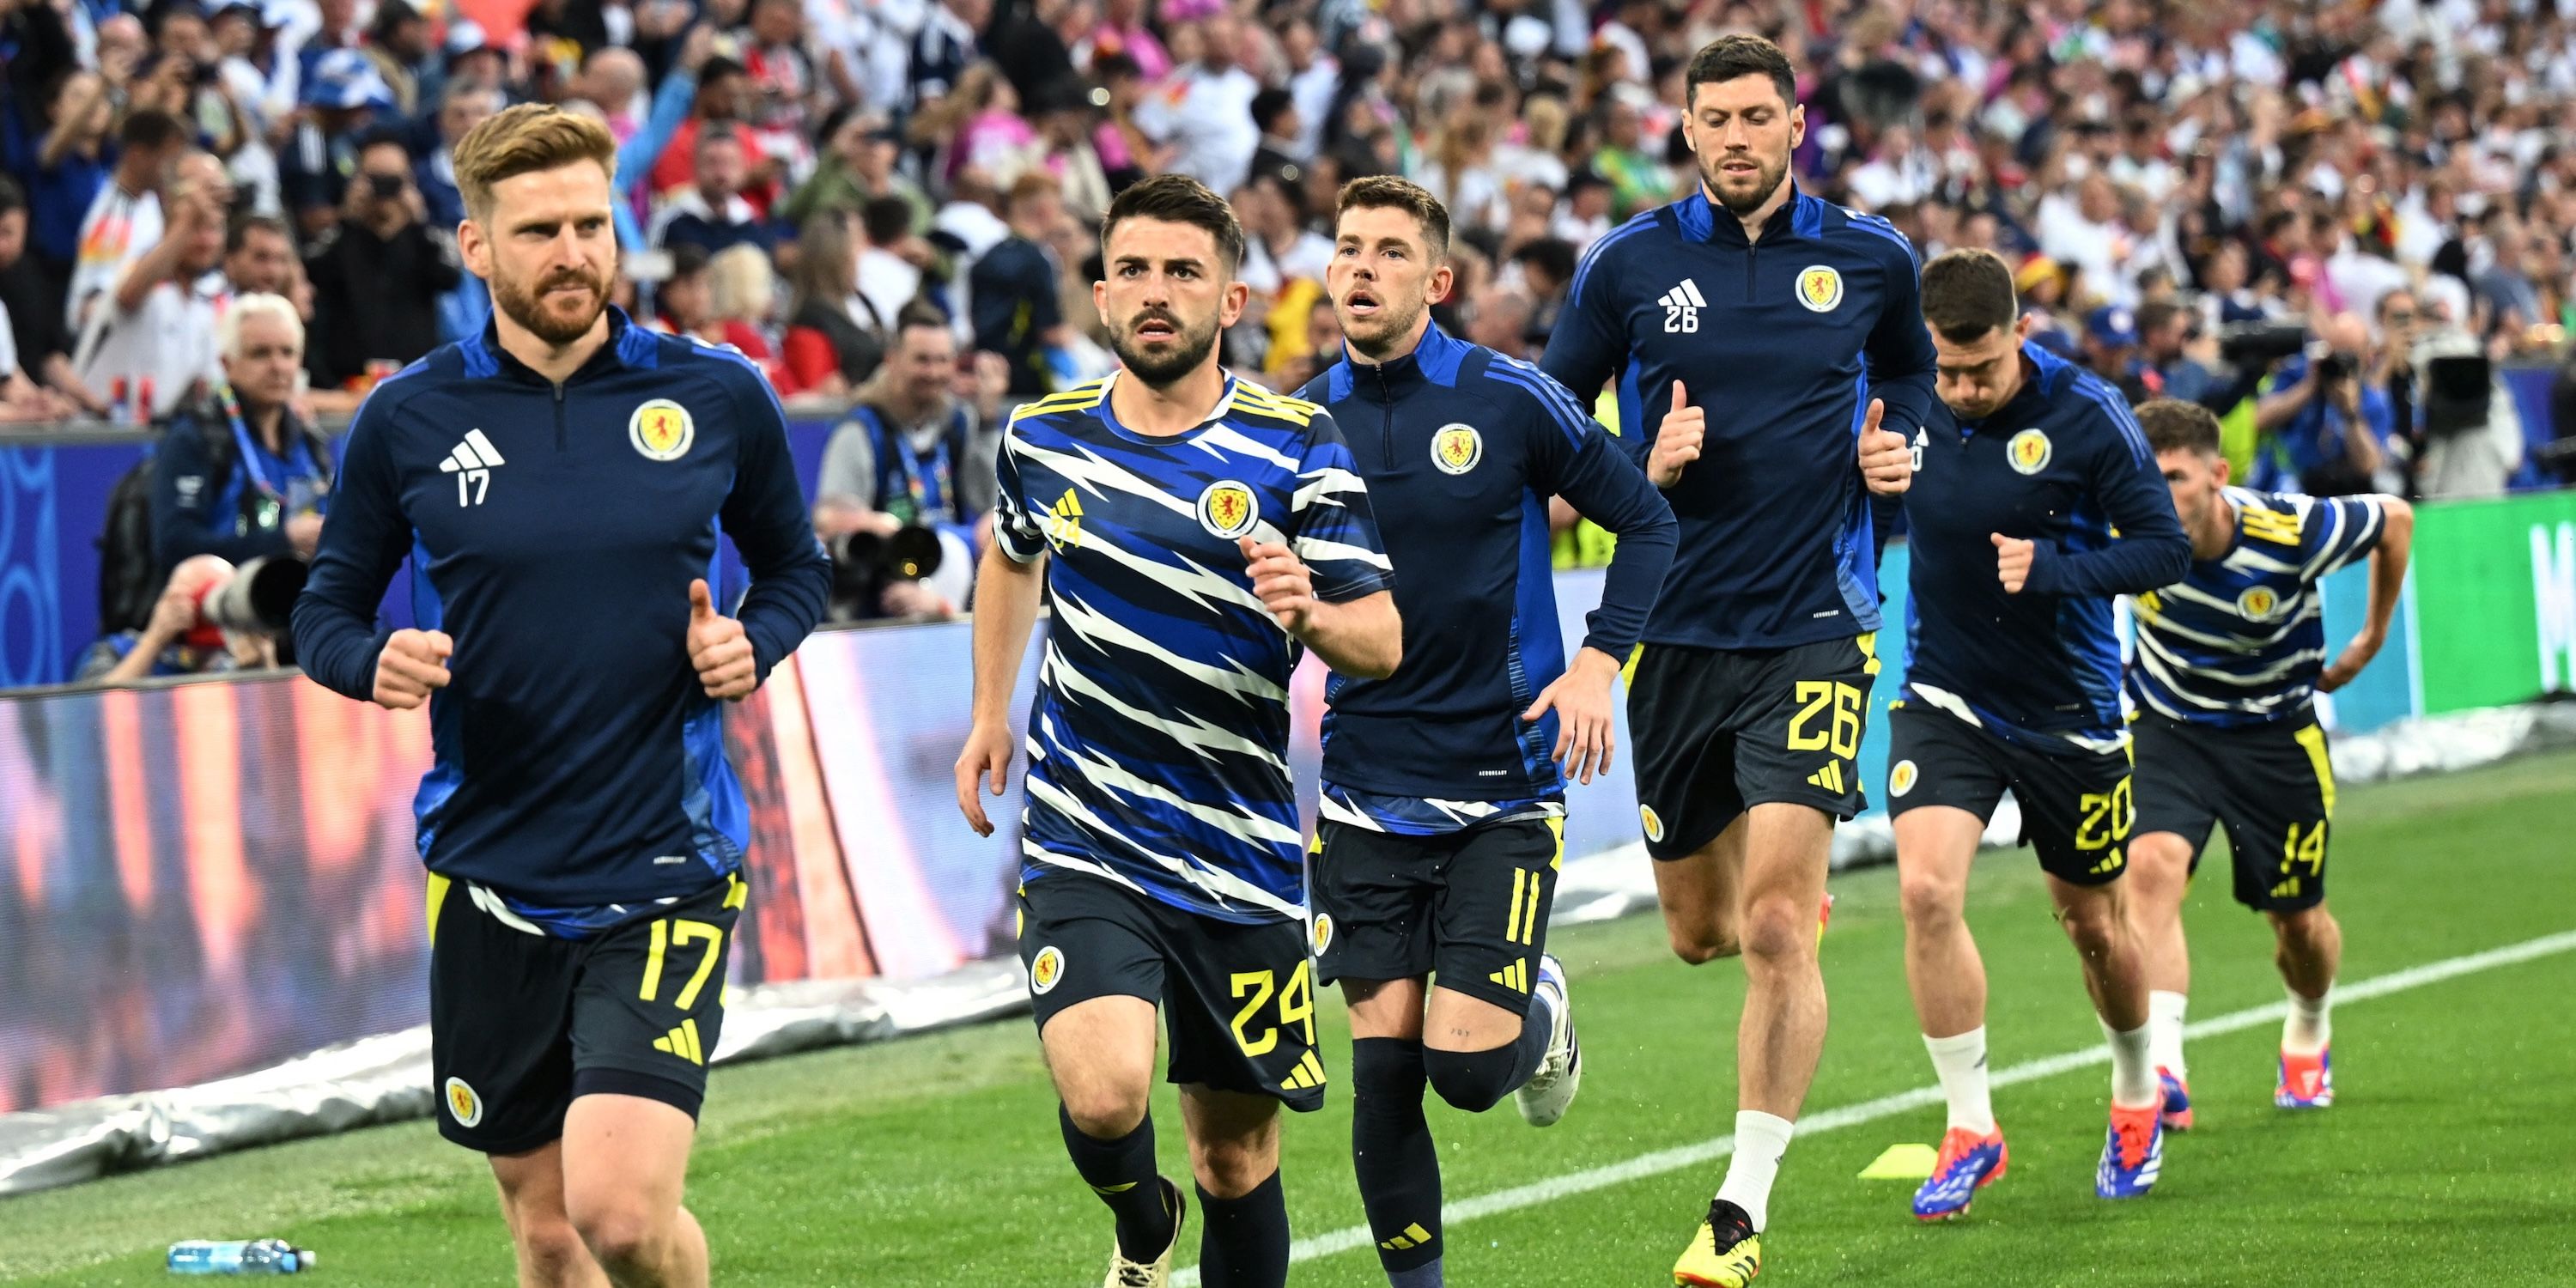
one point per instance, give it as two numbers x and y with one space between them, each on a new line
412 664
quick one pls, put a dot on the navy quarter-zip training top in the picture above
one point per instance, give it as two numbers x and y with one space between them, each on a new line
1783 341
1461 448
2065 466
554 531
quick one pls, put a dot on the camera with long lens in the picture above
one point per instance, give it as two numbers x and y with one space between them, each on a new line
864 563
2260 344
260 598
2458 391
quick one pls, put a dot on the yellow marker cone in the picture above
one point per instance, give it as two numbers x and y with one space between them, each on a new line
1902 1163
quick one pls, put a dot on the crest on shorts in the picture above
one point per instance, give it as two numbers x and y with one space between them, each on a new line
661 430
1227 509
1046 970
462 1104
2029 451
1323 933
1654 823
1820 288
1900 778
2258 602
1457 448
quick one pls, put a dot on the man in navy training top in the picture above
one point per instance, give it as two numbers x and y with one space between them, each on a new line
1795 324
2229 661
1192 535
2035 502
1443 803
557 482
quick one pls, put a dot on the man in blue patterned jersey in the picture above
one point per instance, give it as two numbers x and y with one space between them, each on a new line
1192 535
2228 661
1794 322
1443 799
2036 502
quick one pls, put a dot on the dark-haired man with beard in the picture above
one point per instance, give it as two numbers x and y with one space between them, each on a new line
1192 535
1794 323
558 482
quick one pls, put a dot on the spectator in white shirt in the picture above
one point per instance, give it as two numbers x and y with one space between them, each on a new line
1205 112
157 327
124 221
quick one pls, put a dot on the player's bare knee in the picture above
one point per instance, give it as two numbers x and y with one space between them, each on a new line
1700 943
1930 901
1778 932
1103 1111
620 1231
1230 1169
550 1251
2304 928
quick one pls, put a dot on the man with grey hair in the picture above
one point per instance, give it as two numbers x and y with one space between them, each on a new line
238 474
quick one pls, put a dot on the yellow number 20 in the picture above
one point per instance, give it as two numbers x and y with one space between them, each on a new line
1842 736
2108 816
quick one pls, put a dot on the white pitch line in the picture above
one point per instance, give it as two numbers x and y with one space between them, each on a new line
1682 1156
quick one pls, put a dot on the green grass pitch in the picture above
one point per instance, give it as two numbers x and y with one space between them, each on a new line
935 1161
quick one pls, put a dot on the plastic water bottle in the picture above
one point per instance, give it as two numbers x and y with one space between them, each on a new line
256 1257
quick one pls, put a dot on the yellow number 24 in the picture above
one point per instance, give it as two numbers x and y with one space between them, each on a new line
1296 1006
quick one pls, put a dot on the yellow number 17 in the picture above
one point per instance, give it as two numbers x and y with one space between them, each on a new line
683 933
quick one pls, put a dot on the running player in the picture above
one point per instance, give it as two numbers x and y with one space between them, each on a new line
2035 503
1192 534
1797 325
1443 812
557 482
2228 660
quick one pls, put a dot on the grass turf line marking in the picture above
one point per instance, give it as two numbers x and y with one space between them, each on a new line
1853 1115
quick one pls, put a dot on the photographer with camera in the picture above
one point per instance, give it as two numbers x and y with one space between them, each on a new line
377 281
209 619
2325 421
908 480
239 476
2470 438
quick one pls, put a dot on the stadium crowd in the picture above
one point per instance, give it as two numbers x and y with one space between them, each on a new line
894 203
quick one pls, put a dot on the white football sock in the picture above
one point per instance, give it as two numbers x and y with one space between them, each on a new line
2133 1072
1761 1141
1960 1063
2164 1031
2309 1027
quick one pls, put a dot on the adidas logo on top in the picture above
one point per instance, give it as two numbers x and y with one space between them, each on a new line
1681 308
471 462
